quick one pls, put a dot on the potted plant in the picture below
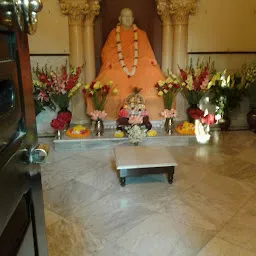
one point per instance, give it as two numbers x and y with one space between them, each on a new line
226 95
249 81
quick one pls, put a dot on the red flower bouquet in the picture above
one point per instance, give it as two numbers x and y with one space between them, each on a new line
61 121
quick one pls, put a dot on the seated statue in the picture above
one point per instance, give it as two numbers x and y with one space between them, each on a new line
128 60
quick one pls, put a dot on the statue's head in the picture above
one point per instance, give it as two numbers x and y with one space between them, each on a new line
126 18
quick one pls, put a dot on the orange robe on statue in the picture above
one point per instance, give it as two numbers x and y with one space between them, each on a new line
146 76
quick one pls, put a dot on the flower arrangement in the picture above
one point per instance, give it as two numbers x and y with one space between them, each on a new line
185 128
227 93
78 131
99 93
197 81
61 121
169 113
249 81
98 115
136 134
59 85
168 89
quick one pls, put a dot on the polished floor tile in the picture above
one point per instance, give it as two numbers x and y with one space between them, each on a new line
209 210
160 235
241 229
110 217
219 247
70 197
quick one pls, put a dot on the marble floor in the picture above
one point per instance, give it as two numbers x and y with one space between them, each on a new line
209 210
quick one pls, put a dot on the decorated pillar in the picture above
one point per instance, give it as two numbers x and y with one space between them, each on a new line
163 9
180 11
89 51
76 11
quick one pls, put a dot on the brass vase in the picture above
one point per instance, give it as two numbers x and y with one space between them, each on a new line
99 127
168 126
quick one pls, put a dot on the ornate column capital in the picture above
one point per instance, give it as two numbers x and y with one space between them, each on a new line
181 9
163 10
93 10
75 10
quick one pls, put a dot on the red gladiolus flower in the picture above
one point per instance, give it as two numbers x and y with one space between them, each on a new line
183 74
92 84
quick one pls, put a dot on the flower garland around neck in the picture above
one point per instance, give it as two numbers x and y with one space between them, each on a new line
120 54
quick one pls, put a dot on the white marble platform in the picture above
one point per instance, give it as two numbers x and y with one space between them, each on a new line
108 141
143 157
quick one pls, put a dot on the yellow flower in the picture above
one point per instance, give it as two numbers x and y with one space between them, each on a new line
96 85
160 93
161 83
115 91
119 134
151 133
87 86
165 91
110 83
169 80
170 85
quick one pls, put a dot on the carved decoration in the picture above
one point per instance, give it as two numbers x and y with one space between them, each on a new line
163 10
94 10
75 9
180 10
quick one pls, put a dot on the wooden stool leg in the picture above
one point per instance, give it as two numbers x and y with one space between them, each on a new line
122 181
170 174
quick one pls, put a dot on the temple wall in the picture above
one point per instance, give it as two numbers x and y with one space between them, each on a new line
221 29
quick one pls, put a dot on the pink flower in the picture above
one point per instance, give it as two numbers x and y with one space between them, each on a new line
144 113
42 96
135 119
169 113
98 114
208 119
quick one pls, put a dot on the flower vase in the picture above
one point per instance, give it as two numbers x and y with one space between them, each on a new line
99 127
136 144
192 107
224 123
168 126
59 134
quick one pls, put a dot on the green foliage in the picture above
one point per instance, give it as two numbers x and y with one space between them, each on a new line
227 94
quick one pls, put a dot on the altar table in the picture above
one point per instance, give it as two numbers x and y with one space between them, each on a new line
141 160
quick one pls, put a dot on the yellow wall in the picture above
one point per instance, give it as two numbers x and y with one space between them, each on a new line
223 25
52 31
218 25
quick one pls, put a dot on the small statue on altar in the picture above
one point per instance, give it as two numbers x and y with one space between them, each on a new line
128 60
133 110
